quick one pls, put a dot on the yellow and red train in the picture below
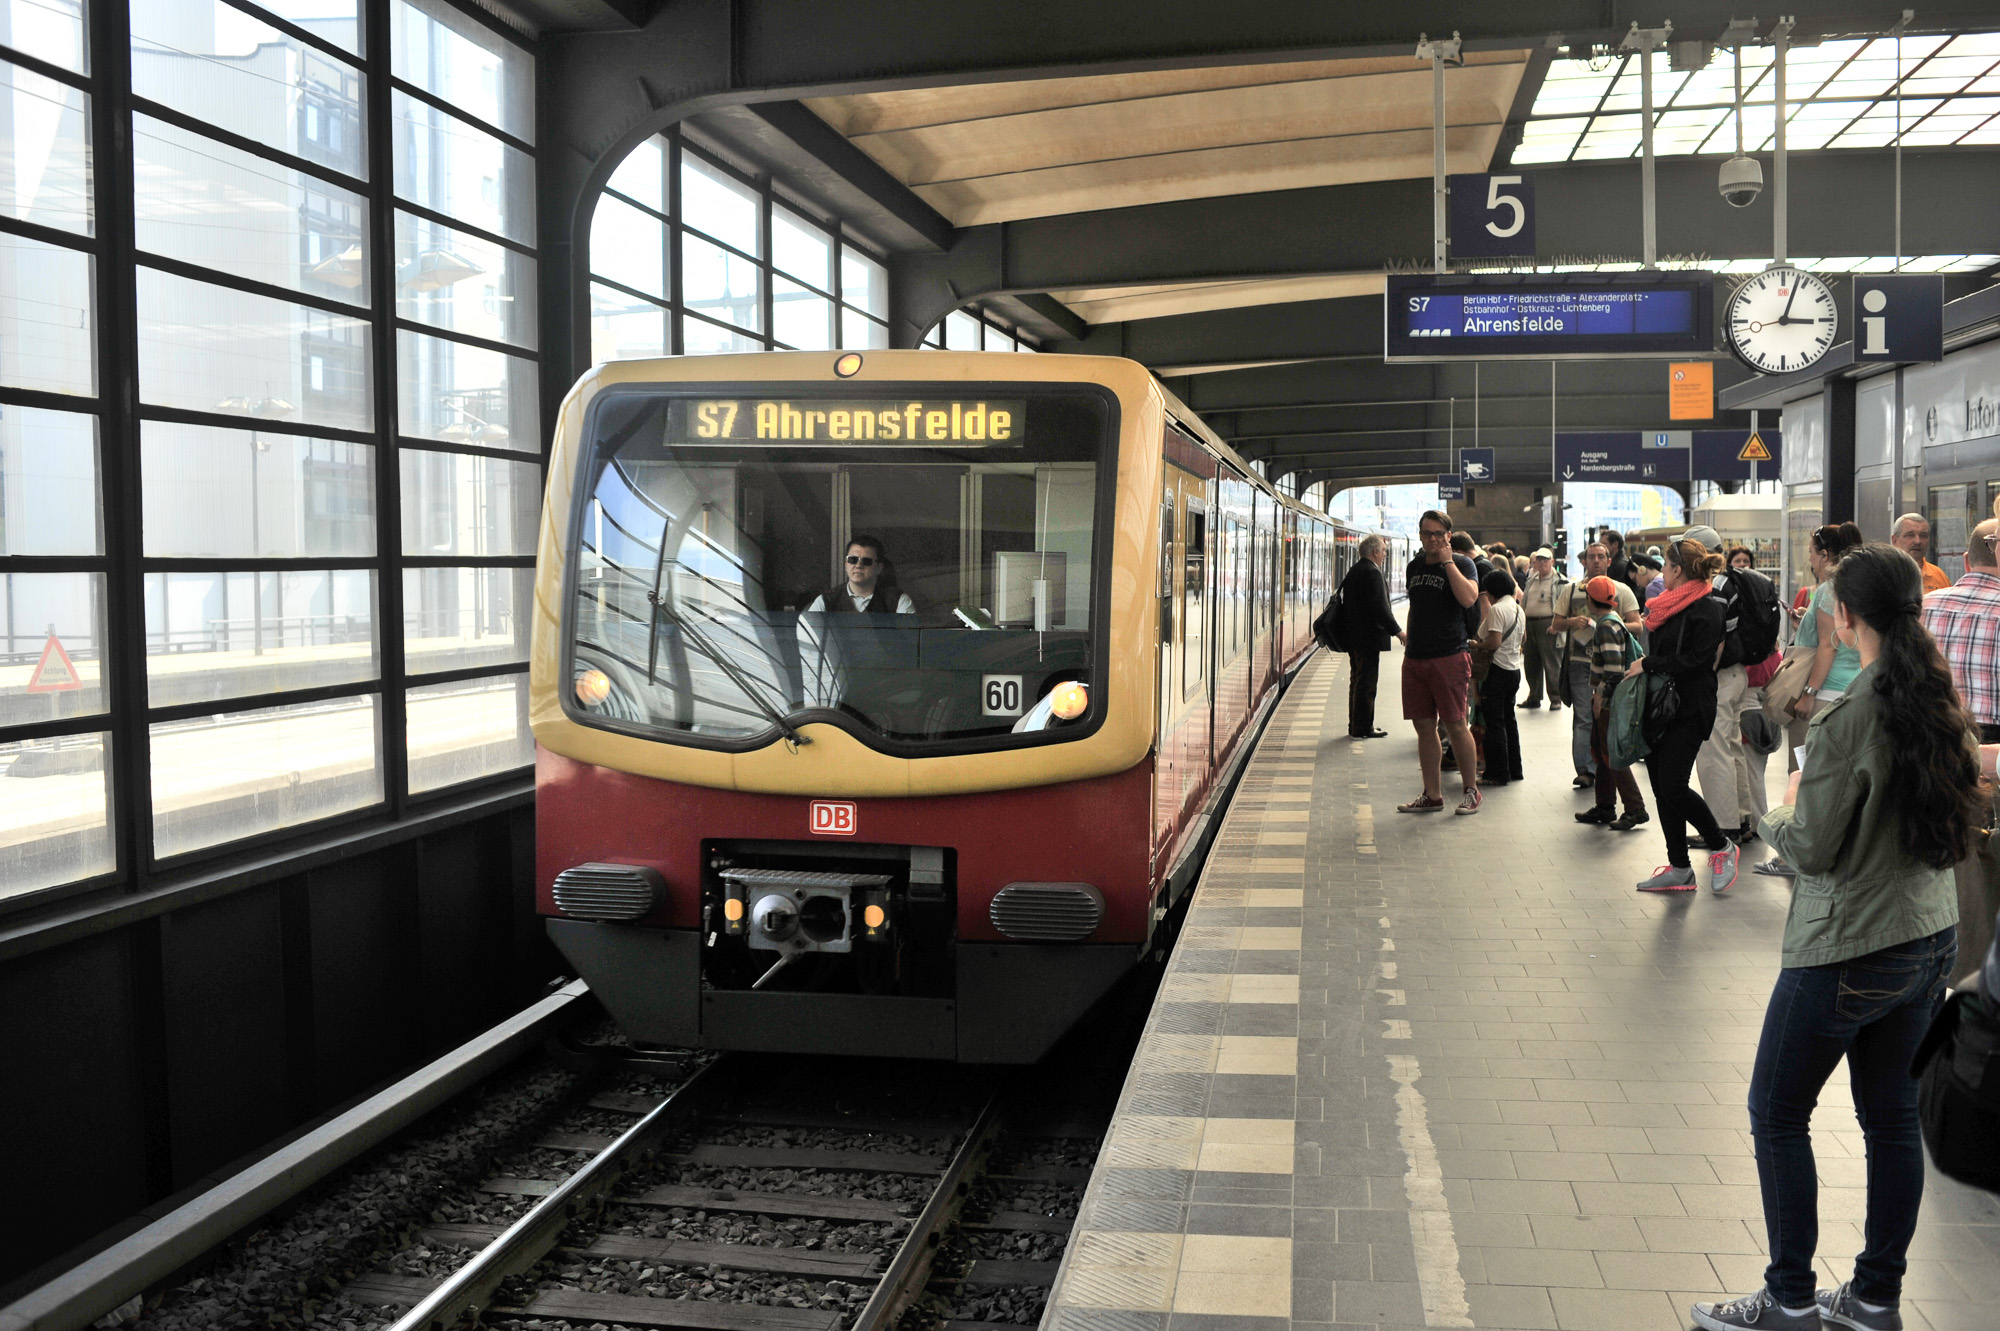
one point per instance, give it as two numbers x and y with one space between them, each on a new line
941 827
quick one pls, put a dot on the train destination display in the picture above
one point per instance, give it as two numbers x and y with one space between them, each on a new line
845 420
1434 317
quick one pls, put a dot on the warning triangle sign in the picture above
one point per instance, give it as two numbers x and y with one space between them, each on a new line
55 672
1754 451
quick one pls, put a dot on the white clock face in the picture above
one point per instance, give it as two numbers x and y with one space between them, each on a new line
1781 320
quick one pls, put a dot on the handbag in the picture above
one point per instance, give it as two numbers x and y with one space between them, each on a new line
1958 1093
1663 701
1788 683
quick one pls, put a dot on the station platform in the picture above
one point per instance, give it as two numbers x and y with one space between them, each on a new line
1438 1071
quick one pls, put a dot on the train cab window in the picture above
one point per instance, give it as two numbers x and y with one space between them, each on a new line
916 568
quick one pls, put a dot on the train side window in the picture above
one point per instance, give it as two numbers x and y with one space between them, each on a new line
1194 598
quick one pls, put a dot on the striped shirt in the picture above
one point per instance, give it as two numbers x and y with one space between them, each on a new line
1965 620
1610 654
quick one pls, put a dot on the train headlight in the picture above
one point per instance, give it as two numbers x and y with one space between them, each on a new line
593 686
1069 700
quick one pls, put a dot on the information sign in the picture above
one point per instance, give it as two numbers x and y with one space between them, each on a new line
1475 465
1691 391
1504 316
1450 486
1630 456
1898 317
1492 214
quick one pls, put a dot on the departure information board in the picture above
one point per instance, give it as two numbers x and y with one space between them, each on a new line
1501 316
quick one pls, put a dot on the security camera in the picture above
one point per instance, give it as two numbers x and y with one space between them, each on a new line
1741 181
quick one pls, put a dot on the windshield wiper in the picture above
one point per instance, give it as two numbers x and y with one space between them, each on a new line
697 639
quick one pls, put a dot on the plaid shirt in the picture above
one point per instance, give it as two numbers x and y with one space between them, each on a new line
1965 620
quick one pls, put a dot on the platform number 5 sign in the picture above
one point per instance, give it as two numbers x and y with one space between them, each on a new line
1492 214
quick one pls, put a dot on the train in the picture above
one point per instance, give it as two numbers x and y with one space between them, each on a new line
885 702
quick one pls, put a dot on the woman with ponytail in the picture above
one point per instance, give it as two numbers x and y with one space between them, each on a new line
1684 630
1887 801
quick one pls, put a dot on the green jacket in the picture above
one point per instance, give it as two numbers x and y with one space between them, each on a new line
1857 891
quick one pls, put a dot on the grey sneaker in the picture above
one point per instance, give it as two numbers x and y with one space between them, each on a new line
1839 1307
1776 868
1753 1312
1722 866
1667 878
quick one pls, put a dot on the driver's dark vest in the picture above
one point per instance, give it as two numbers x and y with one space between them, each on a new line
883 602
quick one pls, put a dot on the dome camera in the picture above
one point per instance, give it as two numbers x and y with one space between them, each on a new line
1741 181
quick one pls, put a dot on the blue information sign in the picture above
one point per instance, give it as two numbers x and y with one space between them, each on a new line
1475 465
1898 317
1499 316
1492 214
1450 486
1630 456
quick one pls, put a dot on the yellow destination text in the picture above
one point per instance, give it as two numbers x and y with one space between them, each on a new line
851 422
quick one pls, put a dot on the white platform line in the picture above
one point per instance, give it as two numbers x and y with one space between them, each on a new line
1438 1280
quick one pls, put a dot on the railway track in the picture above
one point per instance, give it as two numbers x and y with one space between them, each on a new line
729 1205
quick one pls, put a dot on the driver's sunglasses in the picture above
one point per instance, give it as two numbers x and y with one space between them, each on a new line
864 560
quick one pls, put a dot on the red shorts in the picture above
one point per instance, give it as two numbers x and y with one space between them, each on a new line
1434 687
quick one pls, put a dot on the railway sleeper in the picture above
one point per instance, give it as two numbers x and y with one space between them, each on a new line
675 1252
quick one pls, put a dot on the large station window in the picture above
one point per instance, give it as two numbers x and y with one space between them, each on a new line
289 583
690 255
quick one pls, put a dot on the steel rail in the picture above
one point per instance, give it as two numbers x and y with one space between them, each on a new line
471 1288
904 1278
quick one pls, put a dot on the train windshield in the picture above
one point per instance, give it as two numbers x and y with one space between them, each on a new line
919 566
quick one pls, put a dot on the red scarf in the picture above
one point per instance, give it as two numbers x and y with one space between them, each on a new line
1670 603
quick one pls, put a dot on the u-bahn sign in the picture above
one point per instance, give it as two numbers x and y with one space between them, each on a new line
1629 457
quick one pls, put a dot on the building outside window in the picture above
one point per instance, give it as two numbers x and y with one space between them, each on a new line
293 584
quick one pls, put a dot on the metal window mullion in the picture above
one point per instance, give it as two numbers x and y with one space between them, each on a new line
181 120
249 286
291 429
48 69
463 227
292 30
50 235
458 113
401 324
767 270
422 445
676 289
394 715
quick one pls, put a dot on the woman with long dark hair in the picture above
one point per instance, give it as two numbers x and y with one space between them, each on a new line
1502 625
1684 632
1887 801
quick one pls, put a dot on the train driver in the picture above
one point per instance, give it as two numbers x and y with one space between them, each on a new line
870 586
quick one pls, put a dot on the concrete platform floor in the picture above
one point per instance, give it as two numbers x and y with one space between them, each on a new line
1419 1071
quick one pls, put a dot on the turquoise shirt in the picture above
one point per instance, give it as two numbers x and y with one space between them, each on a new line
1846 661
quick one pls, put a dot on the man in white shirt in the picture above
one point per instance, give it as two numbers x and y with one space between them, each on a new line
1541 655
865 563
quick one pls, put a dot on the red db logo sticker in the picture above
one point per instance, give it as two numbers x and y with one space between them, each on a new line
834 818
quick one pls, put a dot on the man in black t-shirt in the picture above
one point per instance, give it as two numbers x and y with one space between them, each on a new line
1437 672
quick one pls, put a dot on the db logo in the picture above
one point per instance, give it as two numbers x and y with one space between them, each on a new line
834 818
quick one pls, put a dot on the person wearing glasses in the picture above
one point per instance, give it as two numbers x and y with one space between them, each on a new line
1441 588
870 587
1965 620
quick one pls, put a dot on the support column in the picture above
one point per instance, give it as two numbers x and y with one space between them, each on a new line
1838 405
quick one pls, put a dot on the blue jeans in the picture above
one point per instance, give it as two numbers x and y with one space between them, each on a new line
1872 1010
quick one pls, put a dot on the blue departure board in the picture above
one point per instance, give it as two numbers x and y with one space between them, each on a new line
1502 316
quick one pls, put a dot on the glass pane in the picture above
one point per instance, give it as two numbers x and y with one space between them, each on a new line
961 331
461 618
799 318
462 61
859 331
45 317
215 493
48 483
52 646
628 246
642 175
224 67
226 777
714 202
453 279
207 203
864 283
457 504
471 729
720 284
712 594
451 166
50 29
336 21
55 823
45 153
231 635
623 327
699 338
801 249
465 395
210 348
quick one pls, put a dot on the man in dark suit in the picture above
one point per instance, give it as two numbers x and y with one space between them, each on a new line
1366 625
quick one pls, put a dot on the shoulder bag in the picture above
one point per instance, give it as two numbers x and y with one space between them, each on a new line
1789 682
1958 1093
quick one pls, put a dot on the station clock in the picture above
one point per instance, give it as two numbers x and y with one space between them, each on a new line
1780 321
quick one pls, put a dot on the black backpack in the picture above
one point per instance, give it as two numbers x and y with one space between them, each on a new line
1326 629
1752 617
1958 1096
